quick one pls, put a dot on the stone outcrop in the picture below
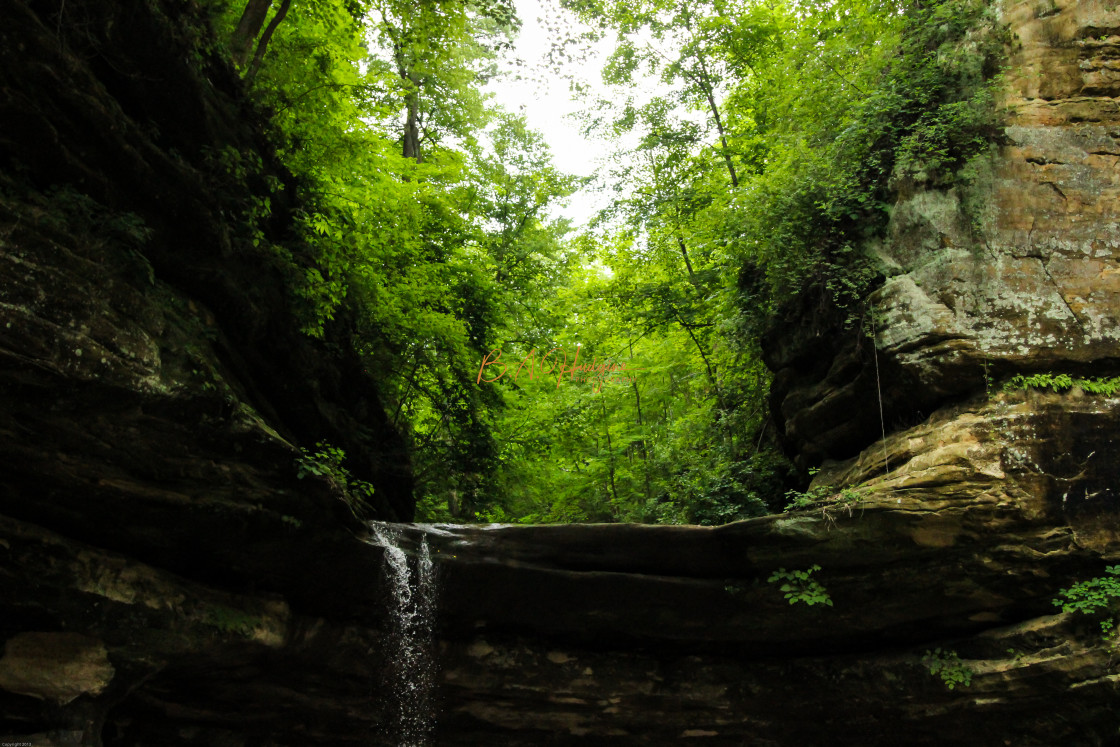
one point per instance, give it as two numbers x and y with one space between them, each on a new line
154 391
1015 271
131 274
166 580
984 513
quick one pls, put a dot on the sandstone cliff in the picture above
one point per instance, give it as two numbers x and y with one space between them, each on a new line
166 580
154 391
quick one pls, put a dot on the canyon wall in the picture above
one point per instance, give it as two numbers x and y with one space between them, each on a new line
1014 270
167 580
154 392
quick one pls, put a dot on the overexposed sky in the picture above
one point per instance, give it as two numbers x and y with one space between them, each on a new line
546 102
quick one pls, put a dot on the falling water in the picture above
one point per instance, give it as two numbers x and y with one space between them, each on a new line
410 677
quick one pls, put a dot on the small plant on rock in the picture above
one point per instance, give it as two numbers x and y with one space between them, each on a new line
1063 383
327 462
799 587
1097 596
810 498
824 497
948 666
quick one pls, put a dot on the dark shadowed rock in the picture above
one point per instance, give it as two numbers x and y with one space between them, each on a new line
165 580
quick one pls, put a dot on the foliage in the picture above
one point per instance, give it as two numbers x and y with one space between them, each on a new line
799 587
1064 382
865 101
430 509
823 497
231 170
948 666
771 149
422 219
1059 382
231 620
65 207
328 462
1101 385
639 445
422 235
1094 598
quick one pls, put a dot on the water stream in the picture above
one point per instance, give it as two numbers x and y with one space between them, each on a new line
409 646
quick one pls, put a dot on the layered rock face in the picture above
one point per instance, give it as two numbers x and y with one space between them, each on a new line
1016 271
154 388
663 635
975 505
165 579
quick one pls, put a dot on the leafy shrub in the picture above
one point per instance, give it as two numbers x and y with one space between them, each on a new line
948 666
1094 597
839 155
799 587
327 462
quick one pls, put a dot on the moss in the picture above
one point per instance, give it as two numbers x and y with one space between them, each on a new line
230 620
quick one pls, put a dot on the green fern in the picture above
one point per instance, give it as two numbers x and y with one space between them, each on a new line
1063 383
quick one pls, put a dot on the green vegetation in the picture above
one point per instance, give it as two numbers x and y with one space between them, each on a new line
1107 387
230 620
799 587
544 374
948 666
874 100
823 497
1098 597
328 462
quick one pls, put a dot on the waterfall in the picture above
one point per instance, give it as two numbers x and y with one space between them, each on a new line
411 672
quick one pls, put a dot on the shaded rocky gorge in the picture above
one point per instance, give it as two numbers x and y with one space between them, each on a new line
168 580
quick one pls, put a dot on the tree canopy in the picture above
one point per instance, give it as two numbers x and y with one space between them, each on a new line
610 372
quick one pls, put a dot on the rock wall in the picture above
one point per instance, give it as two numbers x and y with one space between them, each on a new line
166 580
158 554
636 635
1015 271
129 266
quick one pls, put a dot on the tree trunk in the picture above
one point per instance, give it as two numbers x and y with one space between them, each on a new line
707 363
610 455
411 139
687 261
252 19
705 83
266 38
641 424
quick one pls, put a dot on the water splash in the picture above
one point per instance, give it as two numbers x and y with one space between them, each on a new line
411 673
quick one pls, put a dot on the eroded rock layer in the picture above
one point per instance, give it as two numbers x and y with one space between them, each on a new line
1017 270
981 515
166 580
154 388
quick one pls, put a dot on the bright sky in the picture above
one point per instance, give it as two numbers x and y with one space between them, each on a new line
547 105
